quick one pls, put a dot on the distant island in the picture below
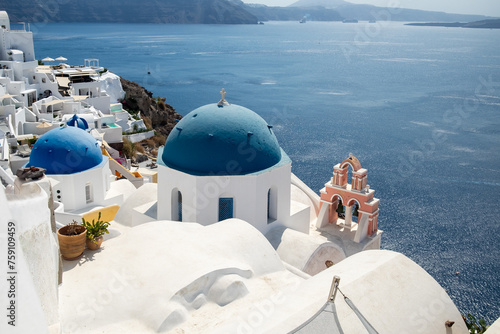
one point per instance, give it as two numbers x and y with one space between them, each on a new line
364 12
215 12
484 24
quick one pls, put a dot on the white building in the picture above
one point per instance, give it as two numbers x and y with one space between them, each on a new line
17 61
77 170
31 94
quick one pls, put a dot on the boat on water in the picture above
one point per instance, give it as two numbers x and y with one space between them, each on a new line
303 20
350 21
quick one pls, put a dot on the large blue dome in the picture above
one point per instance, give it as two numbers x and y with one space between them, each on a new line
66 150
221 140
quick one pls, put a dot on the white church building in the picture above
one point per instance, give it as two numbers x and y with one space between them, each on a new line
223 161
77 170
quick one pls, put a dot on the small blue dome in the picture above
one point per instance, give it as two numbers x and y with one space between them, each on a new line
221 140
78 122
66 150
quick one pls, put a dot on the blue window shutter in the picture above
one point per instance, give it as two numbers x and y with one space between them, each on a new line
225 208
179 206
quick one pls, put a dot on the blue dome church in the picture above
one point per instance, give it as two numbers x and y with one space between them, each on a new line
76 168
78 122
66 150
224 161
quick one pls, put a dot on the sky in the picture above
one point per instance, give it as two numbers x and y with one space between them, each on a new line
482 7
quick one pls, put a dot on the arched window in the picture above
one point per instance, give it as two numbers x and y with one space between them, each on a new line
179 205
272 204
176 205
268 205
225 208
351 212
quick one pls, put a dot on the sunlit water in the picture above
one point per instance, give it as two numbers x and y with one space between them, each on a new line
419 106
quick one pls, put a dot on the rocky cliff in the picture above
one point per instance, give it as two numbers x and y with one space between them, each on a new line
211 11
156 114
128 11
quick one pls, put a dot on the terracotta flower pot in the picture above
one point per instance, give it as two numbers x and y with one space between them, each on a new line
71 246
94 244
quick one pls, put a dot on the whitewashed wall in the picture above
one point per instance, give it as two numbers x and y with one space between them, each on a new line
137 137
200 196
71 187
36 262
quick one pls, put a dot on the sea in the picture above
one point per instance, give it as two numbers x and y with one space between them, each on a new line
418 106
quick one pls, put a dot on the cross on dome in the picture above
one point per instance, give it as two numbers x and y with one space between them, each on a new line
223 101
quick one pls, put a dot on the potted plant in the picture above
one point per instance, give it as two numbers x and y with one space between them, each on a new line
71 240
95 231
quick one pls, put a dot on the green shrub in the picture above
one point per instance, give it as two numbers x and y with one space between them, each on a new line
473 326
96 228
128 148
